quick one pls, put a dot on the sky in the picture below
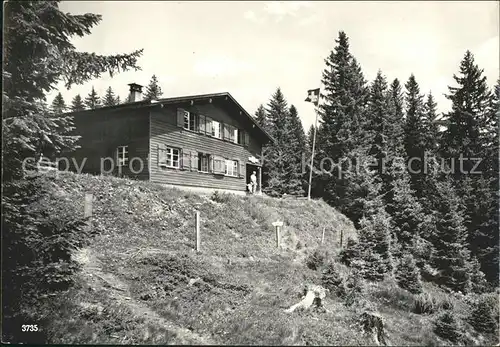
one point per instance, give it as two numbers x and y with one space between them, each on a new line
251 48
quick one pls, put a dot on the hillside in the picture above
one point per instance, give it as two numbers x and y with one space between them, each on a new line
141 281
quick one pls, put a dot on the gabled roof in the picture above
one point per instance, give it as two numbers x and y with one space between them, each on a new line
221 98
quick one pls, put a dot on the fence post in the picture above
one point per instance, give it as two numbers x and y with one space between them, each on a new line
278 226
87 210
197 230
323 236
341 237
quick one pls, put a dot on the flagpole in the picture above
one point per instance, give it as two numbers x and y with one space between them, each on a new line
312 154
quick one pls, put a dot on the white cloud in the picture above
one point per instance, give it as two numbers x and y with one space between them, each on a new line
252 16
220 65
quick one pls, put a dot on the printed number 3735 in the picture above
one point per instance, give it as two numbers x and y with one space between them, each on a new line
25 328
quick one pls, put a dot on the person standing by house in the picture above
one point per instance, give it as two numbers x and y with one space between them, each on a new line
253 181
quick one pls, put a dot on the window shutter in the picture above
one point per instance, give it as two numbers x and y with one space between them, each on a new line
161 155
185 162
225 131
202 124
180 117
241 170
194 161
219 165
211 163
208 125
246 139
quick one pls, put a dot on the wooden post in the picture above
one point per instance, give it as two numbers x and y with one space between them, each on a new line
197 230
341 237
278 226
323 236
87 209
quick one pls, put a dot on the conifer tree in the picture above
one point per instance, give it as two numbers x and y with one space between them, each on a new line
431 127
58 104
109 98
153 89
77 104
262 118
451 256
396 119
343 126
45 31
298 142
415 133
471 134
92 101
283 164
408 275
118 101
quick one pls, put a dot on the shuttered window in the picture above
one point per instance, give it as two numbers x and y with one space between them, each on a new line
169 157
231 168
203 162
122 155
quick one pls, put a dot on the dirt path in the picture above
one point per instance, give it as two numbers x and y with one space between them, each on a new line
119 291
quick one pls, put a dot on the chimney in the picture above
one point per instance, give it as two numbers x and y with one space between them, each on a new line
135 92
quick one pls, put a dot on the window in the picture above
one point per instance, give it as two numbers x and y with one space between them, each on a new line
216 129
122 155
231 167
169 157
189 121
203 162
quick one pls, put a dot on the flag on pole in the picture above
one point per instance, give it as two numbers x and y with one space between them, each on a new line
313 96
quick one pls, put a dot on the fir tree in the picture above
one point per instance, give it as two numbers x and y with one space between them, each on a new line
92 101
451 256
395 123
431 127
43 30
298 142
408 275
58 104
153 90
109 98
118 100
415 133
77 104
283 164
262 118
471 134
343 127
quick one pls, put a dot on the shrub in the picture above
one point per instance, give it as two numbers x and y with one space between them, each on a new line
354 288
484 314
316 259
350 252
332 280
39 237
408 275
447 326
425 304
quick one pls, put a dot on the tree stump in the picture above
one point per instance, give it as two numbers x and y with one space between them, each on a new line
373 324
313 296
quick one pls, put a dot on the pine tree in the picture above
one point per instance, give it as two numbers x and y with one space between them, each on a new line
396 123
343 125
118 100
415 133
431 127
452 256
153 90
43 30
298 142
282 165
92 101
77 104
408 275
109 98
262 118
58 104
471 133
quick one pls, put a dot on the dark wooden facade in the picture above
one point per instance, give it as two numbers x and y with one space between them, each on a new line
148 128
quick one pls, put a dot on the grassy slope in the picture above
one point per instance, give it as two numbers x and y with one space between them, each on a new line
139 267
